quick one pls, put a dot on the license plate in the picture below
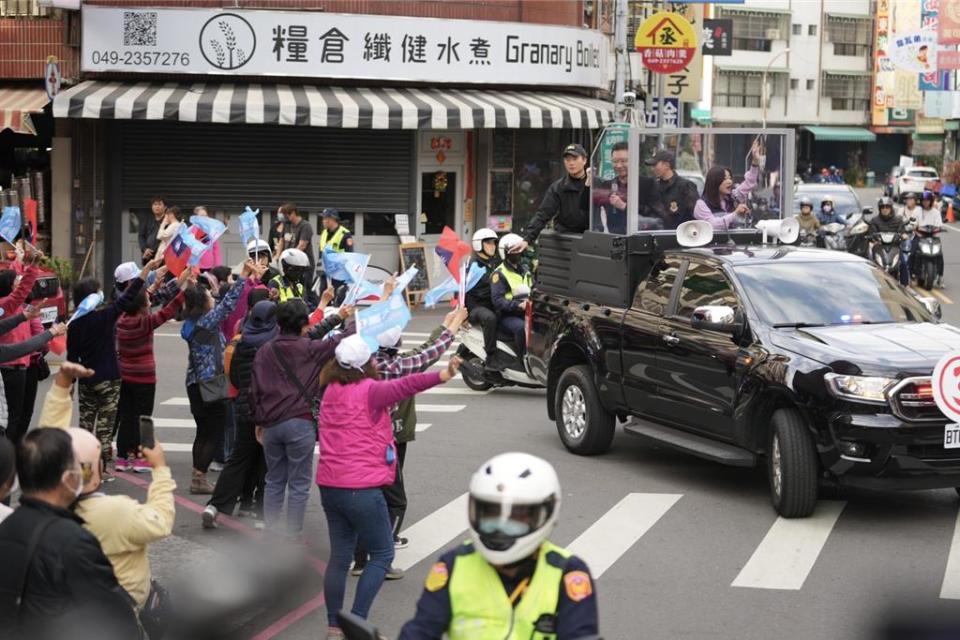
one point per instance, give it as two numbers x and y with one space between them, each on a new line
951 436
48 314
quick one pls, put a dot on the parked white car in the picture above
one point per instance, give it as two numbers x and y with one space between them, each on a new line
914 180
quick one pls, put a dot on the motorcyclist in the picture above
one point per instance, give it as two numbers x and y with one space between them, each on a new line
294 265
887 220
808 222
928 216
911 210
479 302
828 214
509 288
508 580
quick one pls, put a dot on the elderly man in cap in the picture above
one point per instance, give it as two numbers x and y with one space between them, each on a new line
675 196
567 201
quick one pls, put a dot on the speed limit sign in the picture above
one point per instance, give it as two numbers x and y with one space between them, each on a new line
946 385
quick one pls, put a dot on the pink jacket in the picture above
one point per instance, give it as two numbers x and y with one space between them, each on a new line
23 331
211 258
356 431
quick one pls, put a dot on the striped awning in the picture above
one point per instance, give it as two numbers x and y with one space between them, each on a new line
16 105
325 106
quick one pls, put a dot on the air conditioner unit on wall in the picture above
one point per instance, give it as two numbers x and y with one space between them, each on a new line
773 34
21 9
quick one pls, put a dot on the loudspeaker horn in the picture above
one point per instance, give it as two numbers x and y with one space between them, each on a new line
695 233
786 231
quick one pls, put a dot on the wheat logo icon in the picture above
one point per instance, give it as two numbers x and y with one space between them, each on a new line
227 41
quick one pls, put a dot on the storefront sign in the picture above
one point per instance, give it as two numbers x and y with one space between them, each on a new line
671 114
52 78
933 80
324 45
948 31
717 37
441 146
883 78
666 42
685 85
926 124
948 60
914 51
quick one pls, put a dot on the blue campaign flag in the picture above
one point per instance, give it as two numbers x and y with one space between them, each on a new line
249 226
379 318
366 289
10 224
405 278
212 229
87 305
341 266
451 286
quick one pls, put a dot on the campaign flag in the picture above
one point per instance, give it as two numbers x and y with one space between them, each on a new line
337 266
87 305
10 224
181 248
30 213
316 317
211 230
450 249
367 289
450 286
58 345
355 273
249 226
405 278
379 318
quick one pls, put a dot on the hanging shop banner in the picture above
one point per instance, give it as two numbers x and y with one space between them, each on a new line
666 42
326 45
915 51
882 66
717 37
949 28
671 114
933 80
948 60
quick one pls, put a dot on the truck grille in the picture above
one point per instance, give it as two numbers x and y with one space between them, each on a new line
45 288
912 400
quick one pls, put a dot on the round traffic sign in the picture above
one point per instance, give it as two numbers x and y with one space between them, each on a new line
946 385
666 41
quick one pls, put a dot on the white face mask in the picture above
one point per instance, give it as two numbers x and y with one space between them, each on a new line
827 208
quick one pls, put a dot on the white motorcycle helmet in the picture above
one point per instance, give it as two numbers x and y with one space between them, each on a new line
256 247
508 242
514 506
482 235
293 261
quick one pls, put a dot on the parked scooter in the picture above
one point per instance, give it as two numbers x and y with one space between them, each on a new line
926 250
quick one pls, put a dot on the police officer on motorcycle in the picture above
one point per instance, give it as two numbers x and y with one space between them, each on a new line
479 301
509 288
887 220
294 265
508 581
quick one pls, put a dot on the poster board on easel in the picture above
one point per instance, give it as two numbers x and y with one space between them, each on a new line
414 254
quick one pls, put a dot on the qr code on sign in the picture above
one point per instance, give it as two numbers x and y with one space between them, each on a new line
139 28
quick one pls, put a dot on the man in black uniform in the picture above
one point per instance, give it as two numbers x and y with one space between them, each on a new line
479 302
567 201
675 196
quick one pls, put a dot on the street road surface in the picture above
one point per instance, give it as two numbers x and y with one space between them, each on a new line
680 547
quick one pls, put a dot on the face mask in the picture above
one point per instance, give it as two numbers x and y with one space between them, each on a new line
827 208
506 527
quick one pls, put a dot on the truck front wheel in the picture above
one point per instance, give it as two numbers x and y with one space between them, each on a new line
585 427
792 465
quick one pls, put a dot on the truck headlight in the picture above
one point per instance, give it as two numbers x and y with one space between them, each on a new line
859 388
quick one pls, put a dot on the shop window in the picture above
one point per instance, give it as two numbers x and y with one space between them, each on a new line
501 192
502 149
379 224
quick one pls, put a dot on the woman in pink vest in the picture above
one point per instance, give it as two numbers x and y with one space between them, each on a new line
357 458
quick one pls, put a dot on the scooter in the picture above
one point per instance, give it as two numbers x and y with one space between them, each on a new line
857 229
886 251
925 252
834 236
472 350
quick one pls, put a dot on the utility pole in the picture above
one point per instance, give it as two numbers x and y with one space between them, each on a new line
622 58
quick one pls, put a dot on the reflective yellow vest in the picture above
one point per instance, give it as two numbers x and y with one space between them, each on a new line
514 279
482 609
335 241
287 291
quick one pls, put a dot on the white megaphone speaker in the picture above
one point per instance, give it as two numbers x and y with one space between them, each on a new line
786 231
694 233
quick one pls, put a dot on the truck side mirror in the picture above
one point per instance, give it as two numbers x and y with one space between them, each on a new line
715 318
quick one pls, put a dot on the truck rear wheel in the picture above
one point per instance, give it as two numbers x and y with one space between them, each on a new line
585 427
792 465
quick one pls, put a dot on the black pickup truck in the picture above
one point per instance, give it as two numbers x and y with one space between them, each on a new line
815 361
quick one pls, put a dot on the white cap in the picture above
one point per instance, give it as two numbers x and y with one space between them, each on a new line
390 337
126 272
353 352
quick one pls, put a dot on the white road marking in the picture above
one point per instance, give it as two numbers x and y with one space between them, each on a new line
951 576
440 408
174 423
176 402
422 427
454 391
618 529
788 552
433 533
177 447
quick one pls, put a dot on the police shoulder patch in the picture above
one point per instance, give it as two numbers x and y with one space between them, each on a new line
437 578
495 277
578 585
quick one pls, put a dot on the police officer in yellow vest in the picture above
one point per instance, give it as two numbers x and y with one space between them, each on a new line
294 265
335 237
509 289
508 582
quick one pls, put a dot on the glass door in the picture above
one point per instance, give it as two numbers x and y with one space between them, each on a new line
440 202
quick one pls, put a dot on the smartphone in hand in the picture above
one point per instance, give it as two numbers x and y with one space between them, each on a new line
147 438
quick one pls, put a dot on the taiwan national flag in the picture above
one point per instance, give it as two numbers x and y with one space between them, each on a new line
178 251
451 249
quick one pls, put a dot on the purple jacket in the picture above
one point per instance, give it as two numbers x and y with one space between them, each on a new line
356 431
739 195
273 397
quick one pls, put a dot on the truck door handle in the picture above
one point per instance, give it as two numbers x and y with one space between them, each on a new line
671 339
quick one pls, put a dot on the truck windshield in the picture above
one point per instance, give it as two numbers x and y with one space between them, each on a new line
827 293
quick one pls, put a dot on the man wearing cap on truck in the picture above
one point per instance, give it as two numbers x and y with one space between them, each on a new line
676 197
567 201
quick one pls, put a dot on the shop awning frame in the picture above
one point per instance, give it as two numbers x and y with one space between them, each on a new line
842 134
326 106
16 105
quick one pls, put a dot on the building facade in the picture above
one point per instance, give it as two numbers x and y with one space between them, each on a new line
405 116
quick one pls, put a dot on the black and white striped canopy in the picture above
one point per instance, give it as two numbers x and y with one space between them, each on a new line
324 106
